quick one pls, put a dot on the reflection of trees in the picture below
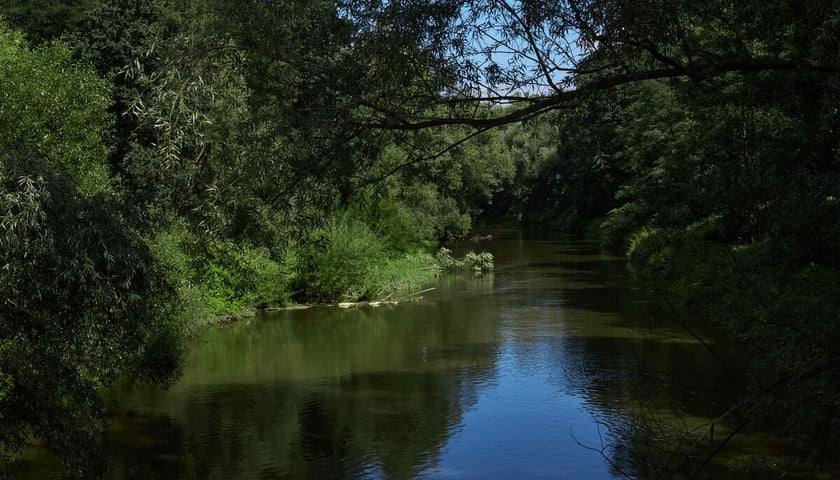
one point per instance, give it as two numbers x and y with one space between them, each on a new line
658 404
661 393
325 393
654 388
328 393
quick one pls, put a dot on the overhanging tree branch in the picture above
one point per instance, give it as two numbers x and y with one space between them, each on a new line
394 120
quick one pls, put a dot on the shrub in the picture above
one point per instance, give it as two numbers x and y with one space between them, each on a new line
651 249
620 224
169 246
237 277
479 262
398 226
340 261
476 262
217 277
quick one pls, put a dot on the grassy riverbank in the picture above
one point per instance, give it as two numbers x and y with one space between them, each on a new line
343 260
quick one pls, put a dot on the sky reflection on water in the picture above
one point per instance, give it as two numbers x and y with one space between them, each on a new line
510 375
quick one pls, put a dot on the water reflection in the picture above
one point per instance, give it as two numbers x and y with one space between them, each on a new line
507 375
326 393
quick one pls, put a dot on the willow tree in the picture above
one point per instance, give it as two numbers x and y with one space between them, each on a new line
82 302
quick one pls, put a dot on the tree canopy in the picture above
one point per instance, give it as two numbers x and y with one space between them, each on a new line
548 55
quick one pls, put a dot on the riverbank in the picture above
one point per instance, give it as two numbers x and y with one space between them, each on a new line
397 281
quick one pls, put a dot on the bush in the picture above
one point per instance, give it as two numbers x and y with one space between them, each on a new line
479 262
397 225
476 262
218 277
340 261
433 215
169 247
237 277
620 224
651 249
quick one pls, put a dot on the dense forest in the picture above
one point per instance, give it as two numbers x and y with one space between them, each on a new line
170 164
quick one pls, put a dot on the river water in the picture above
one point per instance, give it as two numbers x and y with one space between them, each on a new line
523 373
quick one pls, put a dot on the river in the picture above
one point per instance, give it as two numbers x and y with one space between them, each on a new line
529 372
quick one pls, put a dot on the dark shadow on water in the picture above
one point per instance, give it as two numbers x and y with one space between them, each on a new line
382 424
156 447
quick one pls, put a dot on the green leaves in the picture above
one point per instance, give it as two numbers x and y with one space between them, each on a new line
54 107
81 301
477 263
340 262
45 20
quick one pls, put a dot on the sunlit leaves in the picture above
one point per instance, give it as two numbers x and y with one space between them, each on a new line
53 106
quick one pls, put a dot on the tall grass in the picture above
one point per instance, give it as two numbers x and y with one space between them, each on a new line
405 276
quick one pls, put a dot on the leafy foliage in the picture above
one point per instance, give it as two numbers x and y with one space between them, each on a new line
725 213
53 106
565 171
46 20
474 262
346 261
319 146
82 304
239 276
83 301
341 262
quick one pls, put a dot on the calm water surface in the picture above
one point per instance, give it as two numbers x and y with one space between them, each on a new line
518 374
